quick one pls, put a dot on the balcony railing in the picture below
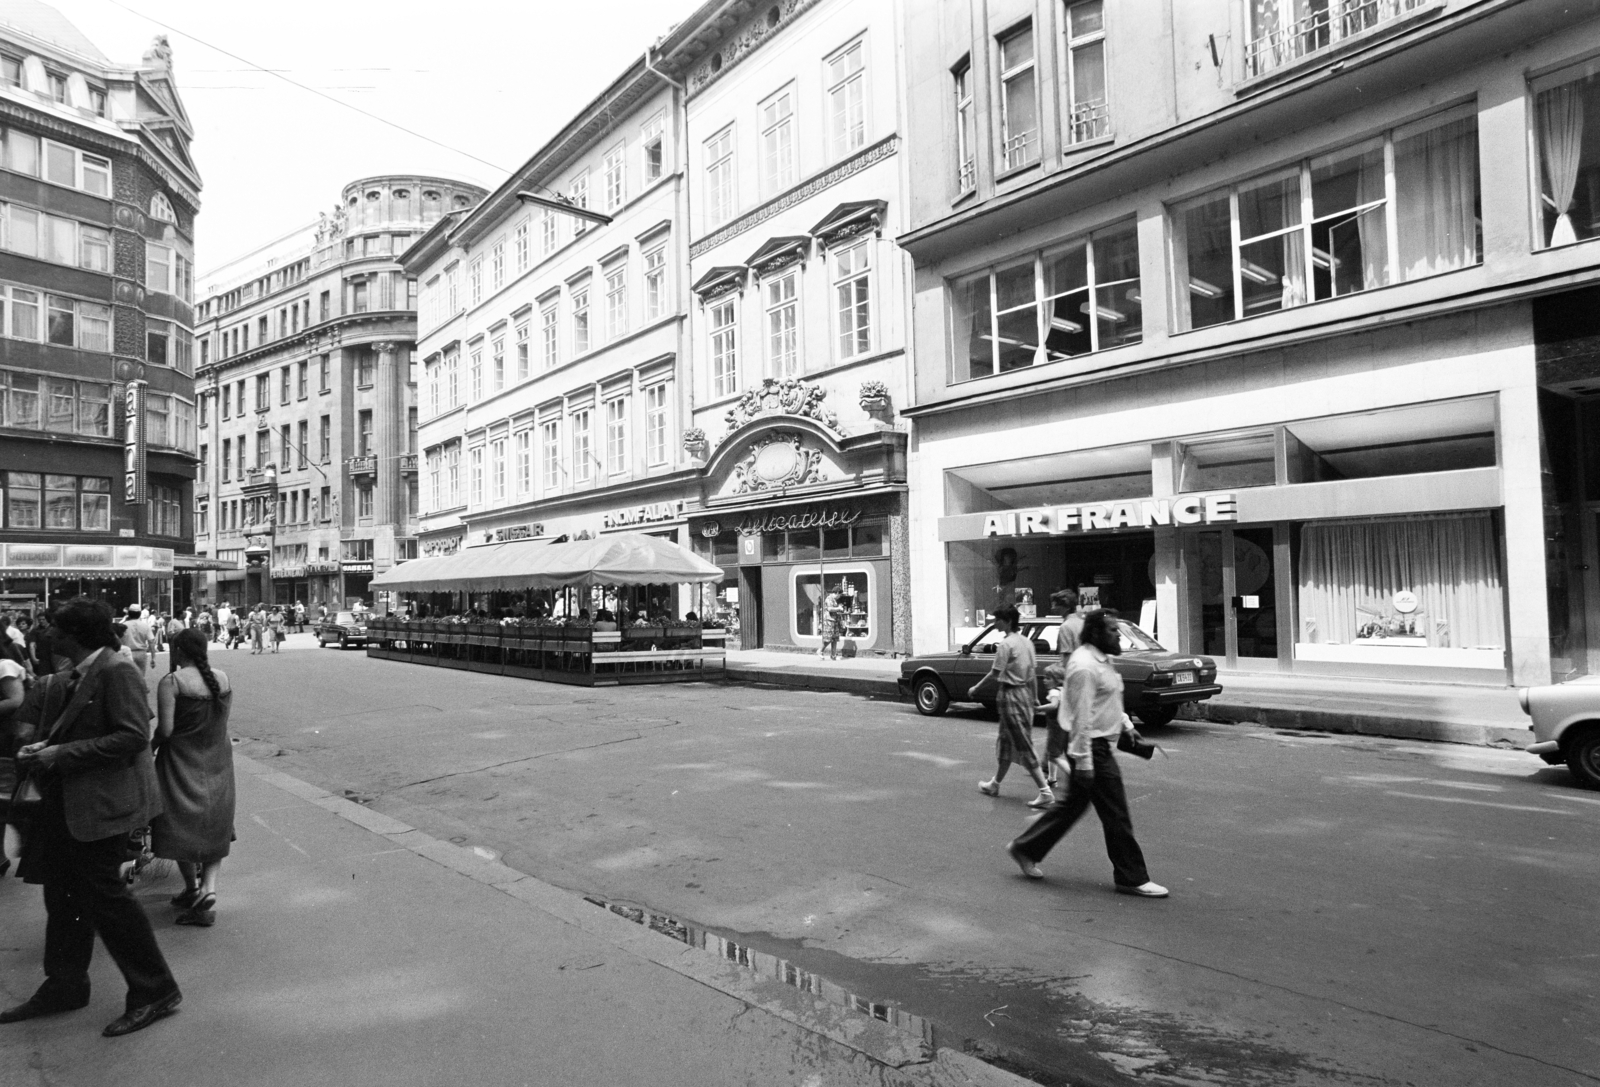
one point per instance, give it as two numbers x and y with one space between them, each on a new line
1090 121
967 176
362 466
408 463
1021 149
1318 29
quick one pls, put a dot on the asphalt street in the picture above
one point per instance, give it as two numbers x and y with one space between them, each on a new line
1344 911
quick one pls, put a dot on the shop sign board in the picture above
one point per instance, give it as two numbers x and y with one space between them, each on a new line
357 567
133 444
436 548
289 571
508 533
1188 509
643 515
823 517
322 567
106 560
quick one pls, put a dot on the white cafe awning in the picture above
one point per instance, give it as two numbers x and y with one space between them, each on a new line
622 558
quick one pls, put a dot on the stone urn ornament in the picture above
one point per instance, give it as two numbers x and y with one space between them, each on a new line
694 442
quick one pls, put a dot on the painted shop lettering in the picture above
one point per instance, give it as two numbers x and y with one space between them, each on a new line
1189 509
642 515
779 522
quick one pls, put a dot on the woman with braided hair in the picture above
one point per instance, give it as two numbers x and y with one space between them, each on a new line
194 764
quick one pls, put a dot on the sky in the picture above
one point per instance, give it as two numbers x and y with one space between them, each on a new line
490 80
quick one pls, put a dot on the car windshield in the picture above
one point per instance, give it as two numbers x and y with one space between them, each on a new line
1136 640
348 617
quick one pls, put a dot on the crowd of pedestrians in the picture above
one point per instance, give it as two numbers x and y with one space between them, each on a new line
90 777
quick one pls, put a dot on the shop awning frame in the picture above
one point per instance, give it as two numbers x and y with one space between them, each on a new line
618 558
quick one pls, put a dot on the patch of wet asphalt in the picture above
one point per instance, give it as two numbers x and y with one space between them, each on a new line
1040 1028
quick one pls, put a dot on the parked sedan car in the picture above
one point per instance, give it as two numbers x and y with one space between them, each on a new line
343 627
1156 681
1566 725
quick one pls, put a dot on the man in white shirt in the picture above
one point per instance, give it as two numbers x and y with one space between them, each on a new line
139 639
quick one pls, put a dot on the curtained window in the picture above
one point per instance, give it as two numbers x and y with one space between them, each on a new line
1567 126
1349 572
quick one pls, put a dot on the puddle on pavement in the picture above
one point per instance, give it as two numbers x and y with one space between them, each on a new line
1039 1028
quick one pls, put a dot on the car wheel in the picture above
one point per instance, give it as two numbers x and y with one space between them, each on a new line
1583 756
1156 716
932 700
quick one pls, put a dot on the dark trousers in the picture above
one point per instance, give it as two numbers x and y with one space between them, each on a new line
1104 791
83 895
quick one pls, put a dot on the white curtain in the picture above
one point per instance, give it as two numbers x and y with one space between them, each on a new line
1561 146
1372 224
1436 184
1350 570
1294 267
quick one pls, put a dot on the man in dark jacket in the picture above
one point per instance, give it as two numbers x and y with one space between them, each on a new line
99 785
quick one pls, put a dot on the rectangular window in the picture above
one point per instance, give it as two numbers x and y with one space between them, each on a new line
301 377
655 424
94 504
24 323
520 246
166 511
655 284
60 324
475 475
285 377
452 374
777 142
1088 115
582 447
263 449
497 459
22 230
523 370
96 172
301 433
239 462
1019 99
966 133
497 266
435 495
497 363
322 372
653 148
617 301
475 377
21 152
94 409
60 405
783 325
285 448
547 233
325 439
157 268
364 500
579 195
580 321
549 335
617 436
719 177
158 342
452 472
94 326
60 164
61 502
263 392
475 282
524 462
1395 208
22 402
24 502
94 249
1050 306
360 292
847 100
615 178
852 290
364 433
724 349
1565 108
550 454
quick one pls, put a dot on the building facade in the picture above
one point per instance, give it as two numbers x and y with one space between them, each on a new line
798 317
308 456
97 413
1272 323
552 345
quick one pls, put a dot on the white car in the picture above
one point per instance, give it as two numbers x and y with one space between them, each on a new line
1566 725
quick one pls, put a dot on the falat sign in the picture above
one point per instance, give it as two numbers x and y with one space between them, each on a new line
1189 509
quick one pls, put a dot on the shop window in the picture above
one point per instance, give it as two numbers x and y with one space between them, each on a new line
1402 586
725 549
843 596
774 547
836 543
867 539
1438 437
805 546
1565 106
1328 226
1227 462
1112 474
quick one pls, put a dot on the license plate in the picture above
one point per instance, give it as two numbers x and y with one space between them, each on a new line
1182 679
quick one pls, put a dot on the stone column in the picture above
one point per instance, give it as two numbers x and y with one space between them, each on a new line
388 439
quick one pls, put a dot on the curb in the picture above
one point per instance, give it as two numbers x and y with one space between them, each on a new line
1221 712
906 1059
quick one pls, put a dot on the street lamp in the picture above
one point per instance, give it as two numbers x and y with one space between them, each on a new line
562 204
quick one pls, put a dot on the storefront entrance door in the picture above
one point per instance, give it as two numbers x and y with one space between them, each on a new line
1232 596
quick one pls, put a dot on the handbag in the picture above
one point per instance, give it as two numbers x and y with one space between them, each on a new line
1136 745
277 636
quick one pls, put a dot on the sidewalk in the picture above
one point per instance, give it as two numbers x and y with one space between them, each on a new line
1445 712
351 949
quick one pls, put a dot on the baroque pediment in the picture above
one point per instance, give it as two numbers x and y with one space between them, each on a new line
789 396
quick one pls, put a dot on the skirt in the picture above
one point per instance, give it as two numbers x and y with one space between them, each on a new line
1015 742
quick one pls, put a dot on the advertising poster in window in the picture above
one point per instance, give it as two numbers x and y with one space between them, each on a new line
135 480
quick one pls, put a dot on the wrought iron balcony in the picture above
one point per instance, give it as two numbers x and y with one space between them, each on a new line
1283 40
362 466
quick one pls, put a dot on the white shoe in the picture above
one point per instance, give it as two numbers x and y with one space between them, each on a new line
1043 800
989 788
1144 890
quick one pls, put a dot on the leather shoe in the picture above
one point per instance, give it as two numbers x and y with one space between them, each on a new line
37 1005
142 1016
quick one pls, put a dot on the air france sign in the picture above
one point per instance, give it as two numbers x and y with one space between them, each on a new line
1180 510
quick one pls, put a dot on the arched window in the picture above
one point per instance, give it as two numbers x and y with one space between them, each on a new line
161 208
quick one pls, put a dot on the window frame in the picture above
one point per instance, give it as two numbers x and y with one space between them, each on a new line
1098 126
617 436
853 279
723 347
840 141
722 197
656 423
966 141
777 135
770 310
1005 77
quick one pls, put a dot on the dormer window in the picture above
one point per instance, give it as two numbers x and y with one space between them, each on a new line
58 86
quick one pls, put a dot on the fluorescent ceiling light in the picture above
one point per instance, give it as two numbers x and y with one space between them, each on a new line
1204 289
1256 274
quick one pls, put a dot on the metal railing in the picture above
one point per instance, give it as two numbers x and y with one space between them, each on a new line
1339 20
1089 121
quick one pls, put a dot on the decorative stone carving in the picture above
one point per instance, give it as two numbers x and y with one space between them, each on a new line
694 441
791 396
777 462
874 397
